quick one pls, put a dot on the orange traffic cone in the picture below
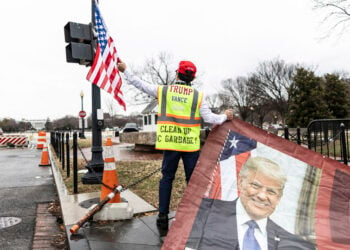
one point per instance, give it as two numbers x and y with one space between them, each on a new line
110 176
45 157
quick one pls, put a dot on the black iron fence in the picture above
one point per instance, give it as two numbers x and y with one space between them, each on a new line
329 137
61 144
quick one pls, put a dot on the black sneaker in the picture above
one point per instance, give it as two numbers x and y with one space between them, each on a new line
162 224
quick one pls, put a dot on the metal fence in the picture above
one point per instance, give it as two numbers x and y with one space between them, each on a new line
329 137
61 144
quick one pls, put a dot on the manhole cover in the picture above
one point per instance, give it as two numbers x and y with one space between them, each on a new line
9 221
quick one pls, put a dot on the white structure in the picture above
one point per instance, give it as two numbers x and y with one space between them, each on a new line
149 116
38 124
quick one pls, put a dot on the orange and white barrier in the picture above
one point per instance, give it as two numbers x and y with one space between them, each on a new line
110 176
16 140
41 140
45 161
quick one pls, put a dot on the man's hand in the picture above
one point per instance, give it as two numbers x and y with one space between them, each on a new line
121 66
229 114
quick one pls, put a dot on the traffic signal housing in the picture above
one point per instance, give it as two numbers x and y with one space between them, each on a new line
80 43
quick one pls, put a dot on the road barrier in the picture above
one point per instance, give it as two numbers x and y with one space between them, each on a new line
41 140
13 140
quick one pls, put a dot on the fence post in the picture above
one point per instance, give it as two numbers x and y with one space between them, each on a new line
308 137
62 153
298 136
343 143
59 145
52 139
75 163
286 132
55 142
67 155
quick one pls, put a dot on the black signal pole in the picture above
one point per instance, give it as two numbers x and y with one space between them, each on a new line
96 165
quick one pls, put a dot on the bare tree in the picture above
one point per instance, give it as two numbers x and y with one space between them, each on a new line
213 102
236 94
270 84
112 110
159 70
336 15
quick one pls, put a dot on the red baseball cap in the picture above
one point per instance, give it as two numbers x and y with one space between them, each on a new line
187 68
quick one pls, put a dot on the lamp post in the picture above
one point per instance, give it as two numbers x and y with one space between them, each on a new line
82 135
251 114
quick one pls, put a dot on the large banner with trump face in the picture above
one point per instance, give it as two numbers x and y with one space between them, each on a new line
254 190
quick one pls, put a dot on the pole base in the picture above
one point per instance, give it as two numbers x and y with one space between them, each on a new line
92 178
114 211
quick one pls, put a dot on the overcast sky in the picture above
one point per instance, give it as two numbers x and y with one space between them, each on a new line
224 38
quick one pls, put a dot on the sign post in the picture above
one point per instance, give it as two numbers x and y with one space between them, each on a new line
82 115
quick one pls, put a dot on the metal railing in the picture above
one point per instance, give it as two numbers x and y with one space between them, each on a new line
329 137
61 144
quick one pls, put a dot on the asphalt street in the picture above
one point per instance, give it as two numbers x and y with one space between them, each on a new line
23 185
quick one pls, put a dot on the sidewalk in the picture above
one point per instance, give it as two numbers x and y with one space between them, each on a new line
136 233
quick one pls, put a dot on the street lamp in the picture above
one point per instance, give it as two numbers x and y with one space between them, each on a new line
251 114
82 135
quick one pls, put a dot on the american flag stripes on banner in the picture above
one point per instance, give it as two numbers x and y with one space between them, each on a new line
235 152
104 72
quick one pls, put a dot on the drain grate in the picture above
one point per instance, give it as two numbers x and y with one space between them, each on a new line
9 221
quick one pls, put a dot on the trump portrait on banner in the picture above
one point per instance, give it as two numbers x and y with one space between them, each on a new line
245 223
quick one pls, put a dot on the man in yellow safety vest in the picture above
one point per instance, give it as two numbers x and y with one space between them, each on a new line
180 109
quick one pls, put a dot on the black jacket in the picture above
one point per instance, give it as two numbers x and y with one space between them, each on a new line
215 227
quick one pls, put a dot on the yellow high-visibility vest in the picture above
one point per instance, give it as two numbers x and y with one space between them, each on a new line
179 121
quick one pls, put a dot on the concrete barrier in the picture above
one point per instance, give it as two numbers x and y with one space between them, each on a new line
16 140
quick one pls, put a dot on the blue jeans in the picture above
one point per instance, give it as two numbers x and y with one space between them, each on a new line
169 166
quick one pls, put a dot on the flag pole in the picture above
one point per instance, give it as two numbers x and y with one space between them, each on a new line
96 165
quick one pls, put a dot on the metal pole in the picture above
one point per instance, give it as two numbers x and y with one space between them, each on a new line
75 163
343 144
298 136
286 132
96 165
67 155
62 151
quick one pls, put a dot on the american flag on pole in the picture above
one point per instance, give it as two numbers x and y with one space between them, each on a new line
104 72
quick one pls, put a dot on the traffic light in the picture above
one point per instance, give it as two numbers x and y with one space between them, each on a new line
80 47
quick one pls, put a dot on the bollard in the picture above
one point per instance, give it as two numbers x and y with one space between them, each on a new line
62 151
67 155
75 163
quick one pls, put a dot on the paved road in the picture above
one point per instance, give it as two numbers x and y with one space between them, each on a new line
23 184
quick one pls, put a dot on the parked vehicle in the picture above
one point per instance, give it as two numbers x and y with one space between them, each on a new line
130 127
116 131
